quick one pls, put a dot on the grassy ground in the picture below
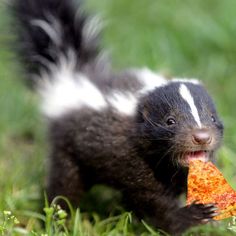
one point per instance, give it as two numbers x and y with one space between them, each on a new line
191 38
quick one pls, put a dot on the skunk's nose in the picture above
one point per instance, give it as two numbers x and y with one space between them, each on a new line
201 137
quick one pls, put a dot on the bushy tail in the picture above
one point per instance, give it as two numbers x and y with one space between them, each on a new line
50 30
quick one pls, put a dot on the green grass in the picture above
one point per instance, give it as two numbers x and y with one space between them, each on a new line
191 38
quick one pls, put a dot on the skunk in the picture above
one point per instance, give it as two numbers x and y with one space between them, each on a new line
133 130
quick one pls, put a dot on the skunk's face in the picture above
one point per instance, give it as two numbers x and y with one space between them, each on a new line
180 122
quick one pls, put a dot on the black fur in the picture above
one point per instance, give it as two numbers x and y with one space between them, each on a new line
142 155
36 47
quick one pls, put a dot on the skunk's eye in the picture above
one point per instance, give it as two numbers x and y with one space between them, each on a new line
171 121
213 118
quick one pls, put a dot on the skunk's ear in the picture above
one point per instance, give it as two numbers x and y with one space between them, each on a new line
143 113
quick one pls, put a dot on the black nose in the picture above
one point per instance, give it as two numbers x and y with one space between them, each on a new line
201 136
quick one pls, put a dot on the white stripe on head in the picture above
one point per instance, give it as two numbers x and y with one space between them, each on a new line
64 90
123 102
186 95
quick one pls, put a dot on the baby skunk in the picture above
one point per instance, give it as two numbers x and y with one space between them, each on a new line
134 130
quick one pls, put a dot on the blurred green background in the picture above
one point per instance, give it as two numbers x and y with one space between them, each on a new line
191 38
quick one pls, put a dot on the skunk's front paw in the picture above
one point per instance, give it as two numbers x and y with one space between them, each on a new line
192 215
198 213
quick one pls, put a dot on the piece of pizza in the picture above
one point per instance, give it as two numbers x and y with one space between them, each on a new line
206 184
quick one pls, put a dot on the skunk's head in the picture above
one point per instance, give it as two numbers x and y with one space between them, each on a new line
179 122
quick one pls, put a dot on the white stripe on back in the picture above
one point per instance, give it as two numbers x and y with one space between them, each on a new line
124 103
64 90
149 79
186 95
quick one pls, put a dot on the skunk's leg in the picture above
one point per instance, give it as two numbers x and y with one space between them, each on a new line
64 179
149 198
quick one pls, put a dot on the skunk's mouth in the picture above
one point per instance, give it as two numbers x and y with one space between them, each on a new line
197 155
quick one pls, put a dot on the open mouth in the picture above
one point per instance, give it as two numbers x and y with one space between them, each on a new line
197 155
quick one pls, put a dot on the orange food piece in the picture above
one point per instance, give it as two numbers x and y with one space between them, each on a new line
206 184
